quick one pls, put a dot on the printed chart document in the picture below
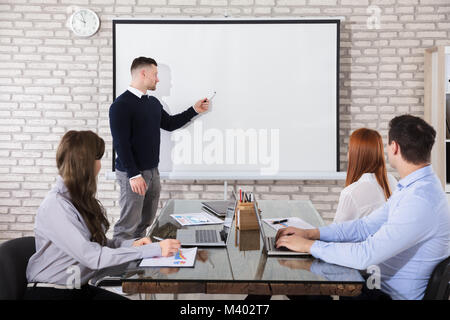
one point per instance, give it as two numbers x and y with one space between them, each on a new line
185 257
195 219
291 222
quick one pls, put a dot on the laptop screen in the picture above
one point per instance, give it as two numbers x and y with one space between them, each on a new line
228 222
258 216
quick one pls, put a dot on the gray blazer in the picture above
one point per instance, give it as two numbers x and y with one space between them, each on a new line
64 248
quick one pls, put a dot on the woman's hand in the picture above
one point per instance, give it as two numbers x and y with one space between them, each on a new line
169 247
141 242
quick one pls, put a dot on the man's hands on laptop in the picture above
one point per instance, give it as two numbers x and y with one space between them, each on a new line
311 234
295 239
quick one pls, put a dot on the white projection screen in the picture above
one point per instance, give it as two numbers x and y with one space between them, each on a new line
275 111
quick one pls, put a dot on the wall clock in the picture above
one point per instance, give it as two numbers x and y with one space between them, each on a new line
84 22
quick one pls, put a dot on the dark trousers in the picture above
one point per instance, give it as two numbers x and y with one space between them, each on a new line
86 292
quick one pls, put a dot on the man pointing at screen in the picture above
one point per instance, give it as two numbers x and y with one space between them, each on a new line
135 120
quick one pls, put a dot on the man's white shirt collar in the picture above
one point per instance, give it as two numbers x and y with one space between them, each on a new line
138 93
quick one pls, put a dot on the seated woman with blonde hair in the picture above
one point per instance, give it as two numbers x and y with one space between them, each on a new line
368 185
71 225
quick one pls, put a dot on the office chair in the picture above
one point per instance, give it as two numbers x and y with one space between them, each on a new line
438 287
14 256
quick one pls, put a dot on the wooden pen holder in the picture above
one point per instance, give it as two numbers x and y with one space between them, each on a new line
248 240
246 216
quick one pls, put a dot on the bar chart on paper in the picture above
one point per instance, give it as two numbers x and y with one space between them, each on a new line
183 258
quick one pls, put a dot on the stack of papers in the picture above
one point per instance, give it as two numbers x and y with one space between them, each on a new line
195 219
291 222
183 258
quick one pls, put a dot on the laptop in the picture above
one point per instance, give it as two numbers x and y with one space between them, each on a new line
269 242
219 207
208 237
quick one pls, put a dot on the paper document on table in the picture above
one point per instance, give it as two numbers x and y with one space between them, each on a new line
195 219
183 258
291 222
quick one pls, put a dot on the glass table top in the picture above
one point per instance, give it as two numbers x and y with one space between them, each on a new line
243 258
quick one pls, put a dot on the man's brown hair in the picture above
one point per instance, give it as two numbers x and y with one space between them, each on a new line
414 136
142 61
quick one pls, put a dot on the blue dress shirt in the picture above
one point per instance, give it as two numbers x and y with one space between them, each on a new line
406 238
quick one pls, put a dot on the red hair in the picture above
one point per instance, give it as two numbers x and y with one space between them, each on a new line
366 155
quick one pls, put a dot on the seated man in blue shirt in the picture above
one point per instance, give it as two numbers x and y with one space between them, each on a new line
407 237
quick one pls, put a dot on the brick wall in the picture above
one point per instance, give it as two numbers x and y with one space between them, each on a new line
52 81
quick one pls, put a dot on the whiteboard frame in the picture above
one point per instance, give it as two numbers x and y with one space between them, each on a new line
239 175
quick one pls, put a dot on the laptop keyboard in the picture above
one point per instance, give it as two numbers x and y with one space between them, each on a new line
206 236
272 245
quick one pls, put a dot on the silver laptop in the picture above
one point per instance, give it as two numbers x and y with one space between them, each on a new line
208 237
269 242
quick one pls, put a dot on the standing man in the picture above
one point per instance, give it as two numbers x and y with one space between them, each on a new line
135 120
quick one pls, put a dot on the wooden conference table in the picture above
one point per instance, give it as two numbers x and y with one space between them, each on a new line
242 267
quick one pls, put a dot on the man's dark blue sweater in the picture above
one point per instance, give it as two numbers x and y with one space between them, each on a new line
135 127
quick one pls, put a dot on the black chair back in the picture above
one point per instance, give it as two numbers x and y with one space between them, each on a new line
438 286
14 256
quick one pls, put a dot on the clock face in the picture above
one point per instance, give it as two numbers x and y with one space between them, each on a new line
84 23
